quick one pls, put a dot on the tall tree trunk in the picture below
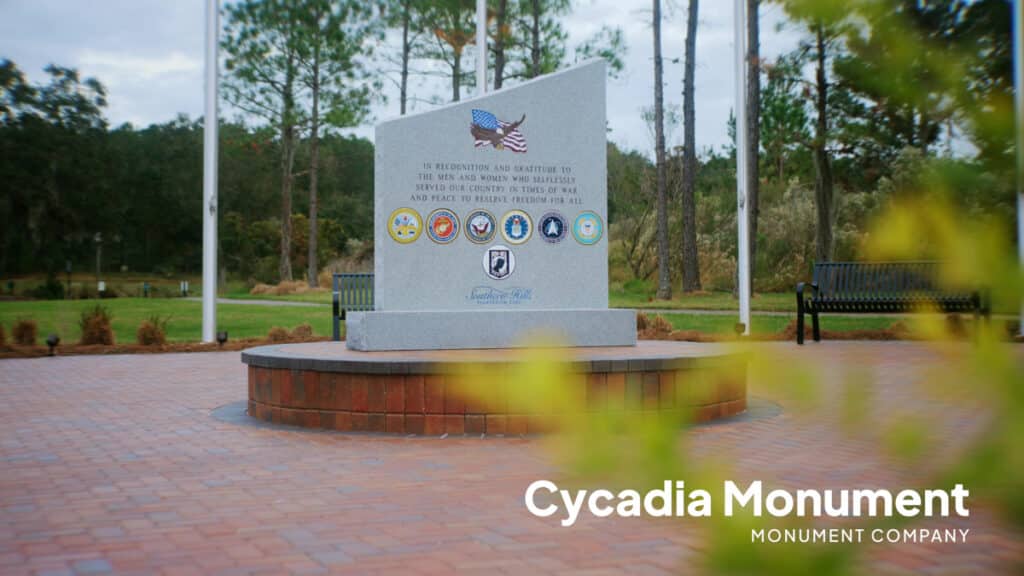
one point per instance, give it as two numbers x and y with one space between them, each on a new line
753 130
403 90
923 130
664 277
822 163
499 44
456 72
535 39
312 266
287 161
691 265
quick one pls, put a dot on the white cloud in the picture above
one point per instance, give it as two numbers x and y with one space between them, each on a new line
118 67
149 53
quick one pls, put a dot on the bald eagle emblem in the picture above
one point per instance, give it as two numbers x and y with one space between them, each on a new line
487 130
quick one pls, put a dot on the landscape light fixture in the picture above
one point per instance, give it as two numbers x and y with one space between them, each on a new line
52 340
222 337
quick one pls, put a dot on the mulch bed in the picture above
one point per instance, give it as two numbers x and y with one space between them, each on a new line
9 351
898 331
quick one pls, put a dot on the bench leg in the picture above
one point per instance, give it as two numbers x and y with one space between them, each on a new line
799 317
335 321
815 327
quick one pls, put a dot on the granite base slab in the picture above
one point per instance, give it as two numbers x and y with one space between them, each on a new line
458 330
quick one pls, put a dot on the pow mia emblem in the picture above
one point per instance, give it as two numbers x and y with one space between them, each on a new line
499 262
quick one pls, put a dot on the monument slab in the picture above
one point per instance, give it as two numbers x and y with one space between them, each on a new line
496 208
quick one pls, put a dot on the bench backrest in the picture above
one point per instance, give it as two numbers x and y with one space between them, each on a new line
871 280
355 291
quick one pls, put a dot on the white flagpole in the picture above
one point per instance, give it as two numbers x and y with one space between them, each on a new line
481 45
743 248
210 175
1018 97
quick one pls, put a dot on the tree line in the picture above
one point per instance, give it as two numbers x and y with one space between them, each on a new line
839 128
869 96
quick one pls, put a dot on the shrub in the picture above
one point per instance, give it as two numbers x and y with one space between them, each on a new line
24 332
642 322
652 327
95 326
302 331
660 324
277 334
152 331
52 289
110 292
285 288
84 292
3 336
325 278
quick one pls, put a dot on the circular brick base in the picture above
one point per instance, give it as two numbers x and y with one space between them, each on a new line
325 385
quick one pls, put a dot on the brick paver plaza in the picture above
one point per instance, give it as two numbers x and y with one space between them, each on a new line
120 464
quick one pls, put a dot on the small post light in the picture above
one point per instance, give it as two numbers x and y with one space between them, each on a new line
145 289
222 337
52 340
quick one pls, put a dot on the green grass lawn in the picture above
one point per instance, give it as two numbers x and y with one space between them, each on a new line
725 324
316 297
769 302
240 320
250 321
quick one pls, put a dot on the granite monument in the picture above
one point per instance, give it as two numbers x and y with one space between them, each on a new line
490 222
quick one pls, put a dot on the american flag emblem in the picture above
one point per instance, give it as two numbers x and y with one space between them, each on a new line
487 130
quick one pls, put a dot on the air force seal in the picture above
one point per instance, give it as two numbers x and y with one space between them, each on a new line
499 262
552 227
588 228
442 226
480 226
516 226
404 225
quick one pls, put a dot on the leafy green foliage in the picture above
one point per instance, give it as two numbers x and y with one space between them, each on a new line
608 44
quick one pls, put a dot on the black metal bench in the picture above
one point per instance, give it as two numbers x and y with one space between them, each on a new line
352 292
862 287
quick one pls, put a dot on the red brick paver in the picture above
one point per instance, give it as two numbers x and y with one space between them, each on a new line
115 464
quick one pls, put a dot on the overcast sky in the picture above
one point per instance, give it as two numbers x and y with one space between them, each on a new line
149 54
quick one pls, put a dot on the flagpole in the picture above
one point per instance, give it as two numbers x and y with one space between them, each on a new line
743 247
1018 97
481 44
210 174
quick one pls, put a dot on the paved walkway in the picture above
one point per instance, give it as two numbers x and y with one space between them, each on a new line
118 464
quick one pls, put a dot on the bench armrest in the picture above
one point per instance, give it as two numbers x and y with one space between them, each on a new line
800 288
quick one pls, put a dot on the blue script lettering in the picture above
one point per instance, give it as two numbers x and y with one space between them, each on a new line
487 296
